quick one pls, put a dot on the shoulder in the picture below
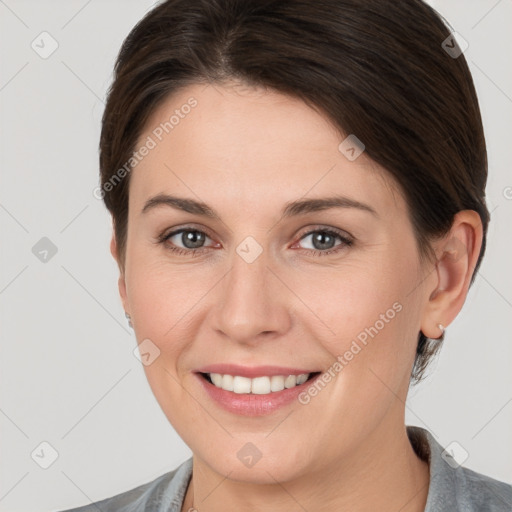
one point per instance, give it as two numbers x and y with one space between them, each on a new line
164 493
477 492
454 488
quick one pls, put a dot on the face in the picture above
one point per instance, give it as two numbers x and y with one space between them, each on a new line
261 289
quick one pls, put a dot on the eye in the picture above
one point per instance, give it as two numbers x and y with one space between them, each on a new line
323 241
191 239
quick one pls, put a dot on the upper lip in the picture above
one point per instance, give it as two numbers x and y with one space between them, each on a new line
251 371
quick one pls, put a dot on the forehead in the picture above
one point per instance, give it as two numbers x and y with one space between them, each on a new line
253 146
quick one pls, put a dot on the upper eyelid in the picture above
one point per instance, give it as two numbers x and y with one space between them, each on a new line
337 231
175 231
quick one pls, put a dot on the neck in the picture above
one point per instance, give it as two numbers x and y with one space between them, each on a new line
383 474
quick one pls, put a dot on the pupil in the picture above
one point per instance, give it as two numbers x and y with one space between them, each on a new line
319 241
192 239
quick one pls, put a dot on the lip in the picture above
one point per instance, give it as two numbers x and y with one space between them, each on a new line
252 404
252 371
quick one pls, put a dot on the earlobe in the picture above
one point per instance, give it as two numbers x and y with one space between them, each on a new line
457 255
113 246
121 283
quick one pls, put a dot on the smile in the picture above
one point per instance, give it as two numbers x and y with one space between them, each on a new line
258 385
253 391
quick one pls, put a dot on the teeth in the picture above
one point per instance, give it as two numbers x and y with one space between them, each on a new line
290 381
241 385
258 385
303 377
227 382
276 383
217 379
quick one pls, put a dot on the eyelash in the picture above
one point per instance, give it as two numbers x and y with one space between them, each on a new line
346 242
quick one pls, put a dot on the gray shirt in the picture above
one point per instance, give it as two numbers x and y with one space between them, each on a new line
452 487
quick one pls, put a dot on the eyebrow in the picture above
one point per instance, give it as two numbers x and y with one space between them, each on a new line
291 209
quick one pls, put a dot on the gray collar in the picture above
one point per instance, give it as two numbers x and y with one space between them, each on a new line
452 487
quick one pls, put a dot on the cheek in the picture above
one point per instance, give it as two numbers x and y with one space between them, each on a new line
164 301
356 302
366 319
366 325
162 295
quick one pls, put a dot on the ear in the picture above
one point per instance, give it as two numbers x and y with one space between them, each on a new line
457 254
121 281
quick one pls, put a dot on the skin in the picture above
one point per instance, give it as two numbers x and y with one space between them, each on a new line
246 152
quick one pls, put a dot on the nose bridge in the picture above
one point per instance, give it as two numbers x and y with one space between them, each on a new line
251 302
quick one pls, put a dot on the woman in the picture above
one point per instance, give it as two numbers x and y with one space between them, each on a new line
297 190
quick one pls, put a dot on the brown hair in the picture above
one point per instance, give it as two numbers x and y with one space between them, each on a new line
376 68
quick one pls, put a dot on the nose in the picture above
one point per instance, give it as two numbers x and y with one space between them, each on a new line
253 302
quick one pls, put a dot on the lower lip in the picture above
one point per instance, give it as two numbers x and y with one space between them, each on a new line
250 404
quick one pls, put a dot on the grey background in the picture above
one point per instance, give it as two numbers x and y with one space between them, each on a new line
68 373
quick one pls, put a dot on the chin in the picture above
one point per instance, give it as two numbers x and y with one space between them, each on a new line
245 462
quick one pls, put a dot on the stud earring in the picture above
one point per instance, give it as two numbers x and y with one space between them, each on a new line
129 318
